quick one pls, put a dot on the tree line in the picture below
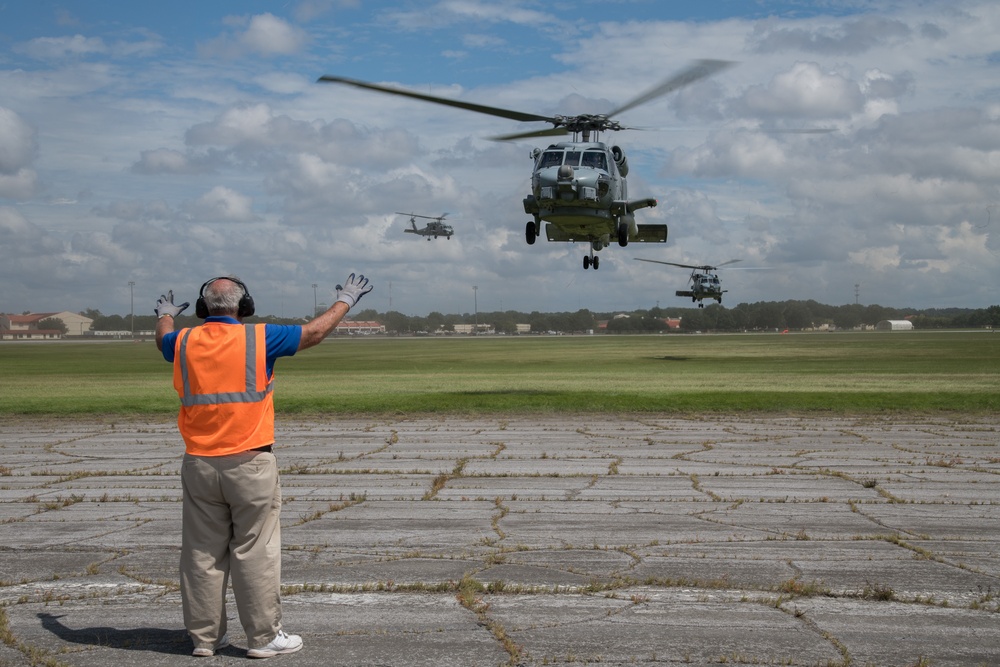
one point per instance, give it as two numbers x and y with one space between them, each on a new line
760 316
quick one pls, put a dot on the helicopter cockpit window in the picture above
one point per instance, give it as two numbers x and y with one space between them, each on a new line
550 159
572 158
595 159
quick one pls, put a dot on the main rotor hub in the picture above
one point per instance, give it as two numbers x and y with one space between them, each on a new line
586 124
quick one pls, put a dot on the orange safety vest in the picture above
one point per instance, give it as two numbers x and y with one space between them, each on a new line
220 374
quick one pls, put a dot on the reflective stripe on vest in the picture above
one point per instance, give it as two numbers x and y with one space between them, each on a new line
250 395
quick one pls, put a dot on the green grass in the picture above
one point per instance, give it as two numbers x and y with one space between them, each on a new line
842 373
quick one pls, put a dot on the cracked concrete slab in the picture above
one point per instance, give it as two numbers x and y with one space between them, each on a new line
741 539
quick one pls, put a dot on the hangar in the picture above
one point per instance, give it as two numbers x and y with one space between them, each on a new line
894 325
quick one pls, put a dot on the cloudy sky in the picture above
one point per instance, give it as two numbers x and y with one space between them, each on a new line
166 143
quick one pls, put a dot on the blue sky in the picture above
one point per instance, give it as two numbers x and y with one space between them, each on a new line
166 143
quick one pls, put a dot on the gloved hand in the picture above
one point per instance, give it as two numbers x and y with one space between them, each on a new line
165 306
353 290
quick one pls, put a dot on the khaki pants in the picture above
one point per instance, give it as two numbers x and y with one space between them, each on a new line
231 526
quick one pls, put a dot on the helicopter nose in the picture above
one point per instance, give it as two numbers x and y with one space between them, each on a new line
566 172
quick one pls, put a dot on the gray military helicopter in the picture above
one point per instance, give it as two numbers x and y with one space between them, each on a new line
578 187
435 227
704 283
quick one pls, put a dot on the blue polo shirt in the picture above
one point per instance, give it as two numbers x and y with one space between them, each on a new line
282 340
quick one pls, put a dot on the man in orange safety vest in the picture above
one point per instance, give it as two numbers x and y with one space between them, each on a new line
224 374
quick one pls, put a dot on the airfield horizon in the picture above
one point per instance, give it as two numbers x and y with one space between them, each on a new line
634 374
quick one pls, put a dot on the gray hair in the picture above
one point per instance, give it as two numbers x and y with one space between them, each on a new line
222 296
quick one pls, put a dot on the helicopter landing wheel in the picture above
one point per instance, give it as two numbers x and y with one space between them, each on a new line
596 262
623 234
530 233
586 262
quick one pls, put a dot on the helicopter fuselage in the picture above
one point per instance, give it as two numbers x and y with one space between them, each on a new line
579 190
703 286
434 229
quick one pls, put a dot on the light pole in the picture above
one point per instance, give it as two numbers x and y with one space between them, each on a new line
475 301
131 299
314 299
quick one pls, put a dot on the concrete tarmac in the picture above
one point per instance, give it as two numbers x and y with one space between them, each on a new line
738 540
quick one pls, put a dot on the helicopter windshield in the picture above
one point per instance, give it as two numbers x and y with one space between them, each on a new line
592 159
595 160
550 159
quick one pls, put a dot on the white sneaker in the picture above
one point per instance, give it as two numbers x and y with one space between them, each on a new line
209 652
282 643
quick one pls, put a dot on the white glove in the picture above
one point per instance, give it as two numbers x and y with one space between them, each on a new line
353 289
165 306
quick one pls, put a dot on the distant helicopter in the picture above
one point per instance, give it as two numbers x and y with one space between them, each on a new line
435 227
578 187
704 284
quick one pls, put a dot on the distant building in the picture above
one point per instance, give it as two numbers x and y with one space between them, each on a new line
894 325
484 328
25 327
359 328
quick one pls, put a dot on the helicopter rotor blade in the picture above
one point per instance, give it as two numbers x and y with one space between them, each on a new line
704 267
803 130
656 261
468 106
699 70
551 132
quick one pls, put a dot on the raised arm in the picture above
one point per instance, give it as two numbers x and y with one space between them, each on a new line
166 311
320 327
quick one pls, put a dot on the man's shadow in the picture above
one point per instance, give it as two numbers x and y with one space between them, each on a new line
160 640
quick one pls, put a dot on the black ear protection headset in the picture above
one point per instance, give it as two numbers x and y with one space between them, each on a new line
245 309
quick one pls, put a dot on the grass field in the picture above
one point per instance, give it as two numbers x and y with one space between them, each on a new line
838 372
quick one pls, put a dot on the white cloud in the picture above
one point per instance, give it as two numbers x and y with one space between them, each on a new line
261 34
17 142
267 34
163 161
22 184
804 91
18 148
102 247
22 241
879 259
222 204
448 12
133 210
253 131
848 37
48 48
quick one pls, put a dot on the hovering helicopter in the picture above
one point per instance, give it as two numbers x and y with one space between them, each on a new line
704 284
435 227
578 187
